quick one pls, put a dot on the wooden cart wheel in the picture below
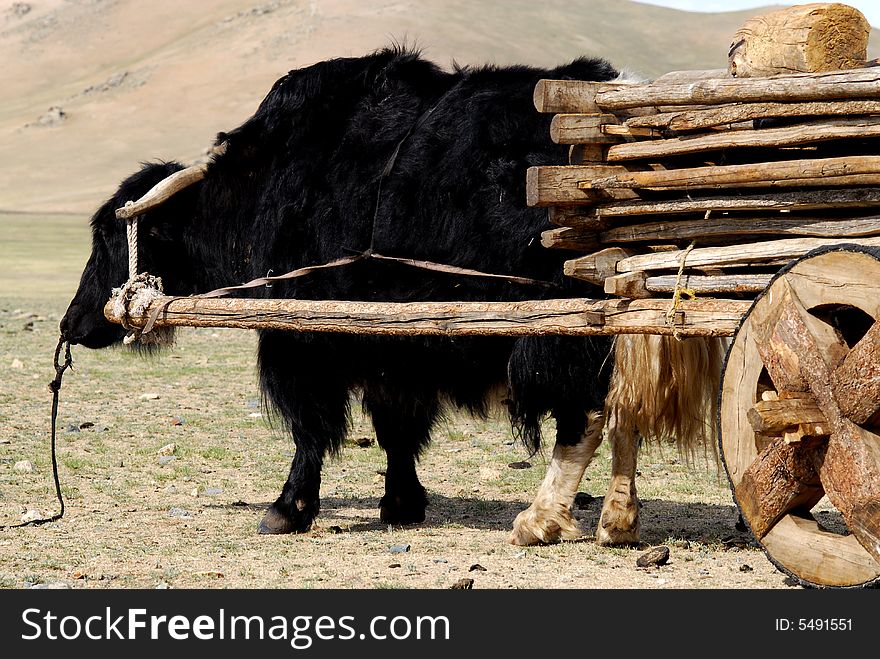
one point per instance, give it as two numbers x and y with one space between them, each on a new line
799 416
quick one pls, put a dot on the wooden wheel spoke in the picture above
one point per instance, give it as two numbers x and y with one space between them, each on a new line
784 477
856 382
799 351
850 475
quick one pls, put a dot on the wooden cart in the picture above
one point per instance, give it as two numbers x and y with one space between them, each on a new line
709 205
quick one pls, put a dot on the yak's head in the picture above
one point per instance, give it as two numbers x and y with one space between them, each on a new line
160 252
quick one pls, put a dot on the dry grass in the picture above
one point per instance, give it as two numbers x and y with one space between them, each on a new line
119 530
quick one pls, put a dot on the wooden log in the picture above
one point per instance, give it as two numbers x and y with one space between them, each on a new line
578 317
575 216
766 252
806 431
800 134
794 88
743 226
583 154
703 284
806 38
597 267
782 478
691 75
844 170
628 285
856 383
739 201
773 417
570 238
804 348
627 131
571 96
582 129
548 186
702 118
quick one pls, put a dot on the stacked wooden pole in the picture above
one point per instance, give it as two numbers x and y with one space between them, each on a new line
724 179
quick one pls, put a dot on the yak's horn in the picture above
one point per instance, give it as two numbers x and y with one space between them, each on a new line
167 187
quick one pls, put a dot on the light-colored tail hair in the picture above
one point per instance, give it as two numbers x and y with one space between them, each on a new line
666 389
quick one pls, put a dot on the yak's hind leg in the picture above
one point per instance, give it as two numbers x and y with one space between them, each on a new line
402 419
306 391
566 377
549 518
619 522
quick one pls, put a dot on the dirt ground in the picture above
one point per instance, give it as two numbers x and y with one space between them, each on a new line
138 519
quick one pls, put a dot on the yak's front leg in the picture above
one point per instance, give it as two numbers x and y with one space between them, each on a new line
619 522
549 518
403 426
314 404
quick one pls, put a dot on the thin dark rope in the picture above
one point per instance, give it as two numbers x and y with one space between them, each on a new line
369 253
55 388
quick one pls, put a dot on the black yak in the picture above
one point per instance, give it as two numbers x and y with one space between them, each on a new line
387 153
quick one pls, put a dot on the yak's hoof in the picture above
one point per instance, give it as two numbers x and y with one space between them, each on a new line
619 521
613 536
619 525
274 523
397 510
537 526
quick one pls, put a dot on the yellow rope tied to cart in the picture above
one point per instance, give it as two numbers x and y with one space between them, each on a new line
680 291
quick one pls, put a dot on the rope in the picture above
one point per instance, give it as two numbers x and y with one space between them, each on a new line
55 388
689 293
123 297
131 228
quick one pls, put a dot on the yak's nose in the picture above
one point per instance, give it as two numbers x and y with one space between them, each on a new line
67 322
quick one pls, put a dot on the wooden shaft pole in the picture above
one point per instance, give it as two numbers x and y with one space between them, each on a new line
580 317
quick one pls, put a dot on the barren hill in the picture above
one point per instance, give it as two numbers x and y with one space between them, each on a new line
92 87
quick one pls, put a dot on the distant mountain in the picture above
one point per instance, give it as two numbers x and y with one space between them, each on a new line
91 88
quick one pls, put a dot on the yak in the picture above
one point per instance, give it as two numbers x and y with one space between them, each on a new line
390 154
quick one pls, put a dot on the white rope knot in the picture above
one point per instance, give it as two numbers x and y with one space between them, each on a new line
133 298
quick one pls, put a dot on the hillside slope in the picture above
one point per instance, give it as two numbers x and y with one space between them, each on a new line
90 88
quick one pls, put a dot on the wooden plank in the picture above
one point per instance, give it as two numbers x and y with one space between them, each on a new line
844 170
800 200
583 154
704 284
772 417
702 118
579 317
582 129
628 285
570 238
805 133
548 186
811 37
575 216
597 267
818 556
797 87
744 226
771 251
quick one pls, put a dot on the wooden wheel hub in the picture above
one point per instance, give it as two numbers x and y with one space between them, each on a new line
799 417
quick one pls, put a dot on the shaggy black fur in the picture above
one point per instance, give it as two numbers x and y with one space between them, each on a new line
299 185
